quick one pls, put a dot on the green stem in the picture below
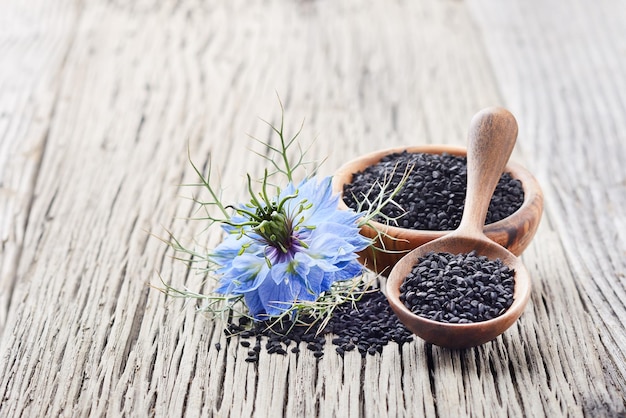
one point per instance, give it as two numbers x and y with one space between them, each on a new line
205 182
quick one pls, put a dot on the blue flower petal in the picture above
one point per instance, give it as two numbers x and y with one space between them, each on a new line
277 298
348 271
255 305
242 274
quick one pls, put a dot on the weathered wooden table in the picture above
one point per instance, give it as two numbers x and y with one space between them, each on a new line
99 102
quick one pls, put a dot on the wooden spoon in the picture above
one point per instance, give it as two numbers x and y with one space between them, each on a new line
491 139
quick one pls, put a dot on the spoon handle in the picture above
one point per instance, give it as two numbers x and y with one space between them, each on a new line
491 139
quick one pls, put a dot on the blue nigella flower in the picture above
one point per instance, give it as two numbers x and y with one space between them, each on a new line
291 248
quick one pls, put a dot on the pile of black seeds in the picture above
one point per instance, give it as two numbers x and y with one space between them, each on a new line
460 288
367 326
433 195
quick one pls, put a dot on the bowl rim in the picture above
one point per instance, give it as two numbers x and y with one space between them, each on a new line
532 190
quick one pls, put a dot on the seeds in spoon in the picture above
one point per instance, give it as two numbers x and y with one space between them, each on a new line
458 288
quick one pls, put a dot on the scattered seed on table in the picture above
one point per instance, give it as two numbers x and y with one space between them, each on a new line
433 195
368 324
458 288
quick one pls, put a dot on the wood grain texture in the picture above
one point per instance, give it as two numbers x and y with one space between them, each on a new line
34 50
574 136
100 101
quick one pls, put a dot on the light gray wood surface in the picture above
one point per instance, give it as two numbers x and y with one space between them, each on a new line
100 101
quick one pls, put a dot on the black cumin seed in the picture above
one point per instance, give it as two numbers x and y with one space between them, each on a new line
437 288
368 324
433 196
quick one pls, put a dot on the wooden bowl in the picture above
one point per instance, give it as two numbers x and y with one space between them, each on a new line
459 336
514 232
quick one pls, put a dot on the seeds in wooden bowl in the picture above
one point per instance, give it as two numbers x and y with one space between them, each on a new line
458 288
433 195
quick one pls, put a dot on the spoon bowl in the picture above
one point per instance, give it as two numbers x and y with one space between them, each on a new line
458 336
490 142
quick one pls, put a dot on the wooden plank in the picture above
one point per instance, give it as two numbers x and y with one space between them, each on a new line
573 128
142 83
31 64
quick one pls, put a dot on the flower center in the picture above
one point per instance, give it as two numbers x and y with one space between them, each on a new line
276 228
